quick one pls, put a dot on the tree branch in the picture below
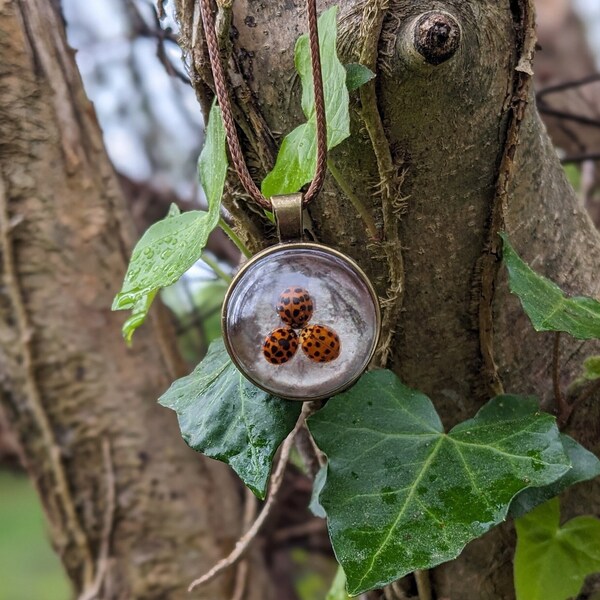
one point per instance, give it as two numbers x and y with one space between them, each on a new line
567 85
579 158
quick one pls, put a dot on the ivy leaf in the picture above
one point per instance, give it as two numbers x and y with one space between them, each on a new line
138 315
337 99
591 368
585 466
297 159
171 246
403 495
338 587
357 75
224 416
545 303
552 562
296 162
212 164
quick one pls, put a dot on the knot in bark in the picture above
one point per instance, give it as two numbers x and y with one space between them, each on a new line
436 36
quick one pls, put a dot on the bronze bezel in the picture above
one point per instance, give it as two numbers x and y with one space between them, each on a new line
292 246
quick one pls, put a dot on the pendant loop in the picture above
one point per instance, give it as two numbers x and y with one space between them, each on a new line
288 216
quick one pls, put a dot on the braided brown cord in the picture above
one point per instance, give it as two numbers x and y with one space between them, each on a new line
321 168
225 104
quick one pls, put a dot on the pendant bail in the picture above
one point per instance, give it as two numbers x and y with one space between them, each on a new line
288 216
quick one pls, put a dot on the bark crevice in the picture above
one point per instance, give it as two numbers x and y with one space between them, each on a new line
488 264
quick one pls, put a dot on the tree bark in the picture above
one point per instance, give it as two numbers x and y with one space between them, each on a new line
133 513
424 160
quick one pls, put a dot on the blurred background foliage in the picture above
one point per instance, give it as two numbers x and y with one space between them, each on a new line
133 72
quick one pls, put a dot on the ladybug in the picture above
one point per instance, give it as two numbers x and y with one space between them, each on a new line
295 307
320 343
280 345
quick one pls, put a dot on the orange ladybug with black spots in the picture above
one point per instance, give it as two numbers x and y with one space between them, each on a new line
295 307
280 345
320 343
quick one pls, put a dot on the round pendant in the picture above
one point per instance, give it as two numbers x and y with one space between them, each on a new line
301 321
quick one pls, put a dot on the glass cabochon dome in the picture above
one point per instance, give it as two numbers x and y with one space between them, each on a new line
301 321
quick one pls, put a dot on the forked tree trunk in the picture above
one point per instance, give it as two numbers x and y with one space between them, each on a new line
133 513
424 159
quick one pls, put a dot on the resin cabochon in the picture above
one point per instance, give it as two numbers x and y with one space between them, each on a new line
342 301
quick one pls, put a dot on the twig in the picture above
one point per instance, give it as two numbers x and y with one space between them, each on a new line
244 542
241 574
566 85
423 584
579 158
161 35
160 9
309 453
232 235
109 518
567 116
241 579
217 270
394 592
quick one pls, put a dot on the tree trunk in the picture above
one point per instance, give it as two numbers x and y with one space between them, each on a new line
133 513
425 158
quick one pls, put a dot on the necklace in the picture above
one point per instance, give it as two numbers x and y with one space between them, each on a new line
300 320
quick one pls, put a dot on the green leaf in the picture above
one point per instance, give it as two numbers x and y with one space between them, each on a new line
337 99
591 368
573 173
338 587
552 562
546 305
212 164
174 210
297 159
403 495
171 246
224 416
296 162
357 75
585 466
138 315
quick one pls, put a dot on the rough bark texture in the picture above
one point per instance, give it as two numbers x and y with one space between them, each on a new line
133 513
424 159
